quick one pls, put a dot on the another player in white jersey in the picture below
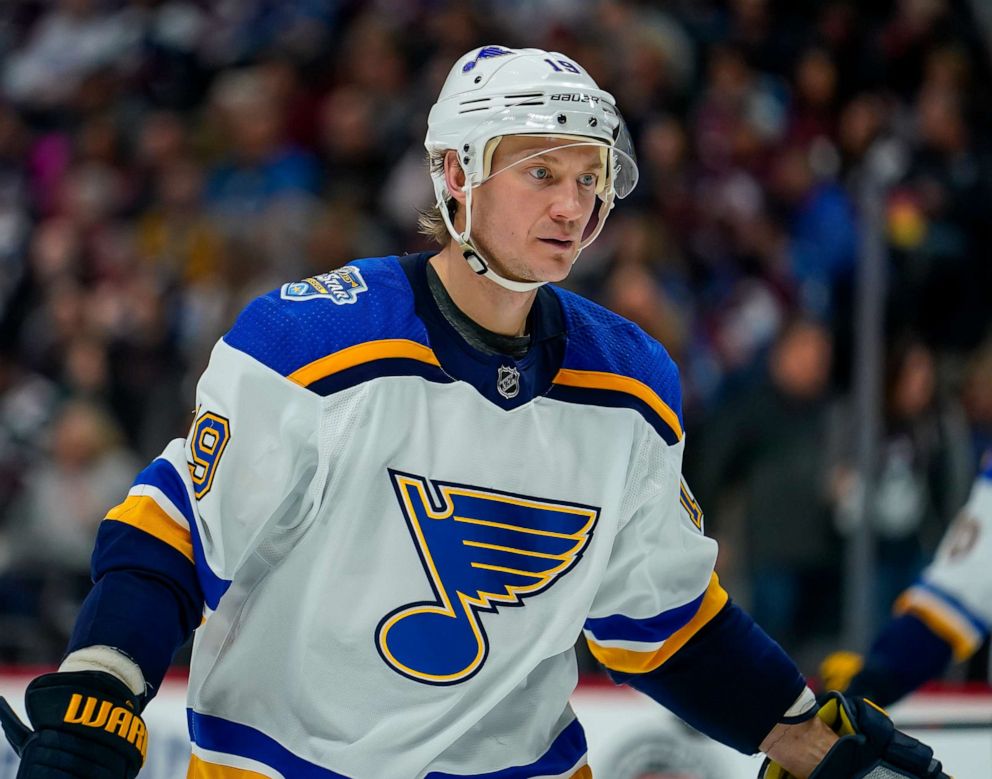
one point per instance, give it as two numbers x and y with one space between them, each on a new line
944 617
411 484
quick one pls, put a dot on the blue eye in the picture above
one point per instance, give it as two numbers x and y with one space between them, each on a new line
588 179
541 174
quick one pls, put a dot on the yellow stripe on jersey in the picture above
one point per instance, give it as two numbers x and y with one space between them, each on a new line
201 769
361 354
940 620
570 377
144 513
632 662
583 773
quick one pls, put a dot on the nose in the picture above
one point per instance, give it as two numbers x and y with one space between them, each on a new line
566 204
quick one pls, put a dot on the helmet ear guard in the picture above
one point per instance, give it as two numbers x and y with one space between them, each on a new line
494 91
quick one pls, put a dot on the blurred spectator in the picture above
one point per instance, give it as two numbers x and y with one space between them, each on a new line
740 114
668 173
638 271
977 399
27 403
760 457
340 233
823 238
181 247
66 498
921 474
861 122
945 193
655 66
812 113
262 194
14 217
174 236
147 364
51 531
70 42
240 30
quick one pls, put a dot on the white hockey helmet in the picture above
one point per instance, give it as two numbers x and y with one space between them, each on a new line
494 91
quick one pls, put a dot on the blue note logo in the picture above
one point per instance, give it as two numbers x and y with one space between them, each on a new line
481 549
486 52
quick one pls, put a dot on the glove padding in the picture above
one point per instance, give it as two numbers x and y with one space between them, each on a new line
86 726
869 746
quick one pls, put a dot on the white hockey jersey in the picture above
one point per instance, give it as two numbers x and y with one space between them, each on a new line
954 595
400 538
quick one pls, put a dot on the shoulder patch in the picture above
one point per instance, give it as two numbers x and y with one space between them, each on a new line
283 333
341 286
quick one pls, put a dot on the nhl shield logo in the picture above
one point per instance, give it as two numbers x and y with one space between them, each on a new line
508 381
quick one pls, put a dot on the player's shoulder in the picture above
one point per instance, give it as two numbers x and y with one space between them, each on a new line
606 352
363 303
985 467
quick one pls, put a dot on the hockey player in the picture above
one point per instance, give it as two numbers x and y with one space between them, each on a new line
945 616
410 484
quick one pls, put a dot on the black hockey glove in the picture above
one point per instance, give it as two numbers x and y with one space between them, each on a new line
86 726
869 746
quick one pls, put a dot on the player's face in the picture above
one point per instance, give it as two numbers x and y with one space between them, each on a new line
530 218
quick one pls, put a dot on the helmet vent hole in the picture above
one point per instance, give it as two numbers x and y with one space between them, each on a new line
524 98
476 104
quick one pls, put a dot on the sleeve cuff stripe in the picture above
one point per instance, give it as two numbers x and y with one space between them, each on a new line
652 630
162 474
145 514
626 661
942 619
630 646
980 624
163 501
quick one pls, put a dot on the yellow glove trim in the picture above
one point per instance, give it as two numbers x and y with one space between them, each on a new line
837 670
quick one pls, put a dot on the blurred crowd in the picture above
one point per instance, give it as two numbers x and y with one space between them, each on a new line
164 161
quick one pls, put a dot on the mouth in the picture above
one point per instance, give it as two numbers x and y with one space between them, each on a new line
557 243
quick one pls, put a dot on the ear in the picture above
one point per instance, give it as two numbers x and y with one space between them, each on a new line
454 176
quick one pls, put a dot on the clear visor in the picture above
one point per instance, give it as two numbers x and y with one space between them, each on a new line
618 173
623 160
590 122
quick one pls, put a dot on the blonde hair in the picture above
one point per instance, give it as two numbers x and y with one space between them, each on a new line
429 220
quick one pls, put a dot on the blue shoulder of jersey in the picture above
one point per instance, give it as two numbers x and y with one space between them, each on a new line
338 329
986 466
611 361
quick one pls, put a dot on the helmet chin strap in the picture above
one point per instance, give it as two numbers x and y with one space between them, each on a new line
472 255
479 264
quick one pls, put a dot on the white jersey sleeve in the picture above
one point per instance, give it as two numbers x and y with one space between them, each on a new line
244 469
659 588
954 594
